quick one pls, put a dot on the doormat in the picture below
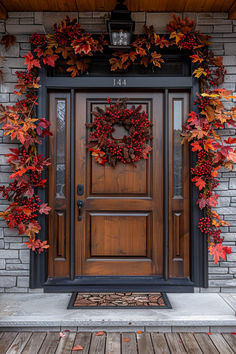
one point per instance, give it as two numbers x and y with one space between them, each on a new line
134 300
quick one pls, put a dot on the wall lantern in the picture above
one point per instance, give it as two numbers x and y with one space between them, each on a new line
120 26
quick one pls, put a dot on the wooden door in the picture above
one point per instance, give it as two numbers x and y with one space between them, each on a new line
121 229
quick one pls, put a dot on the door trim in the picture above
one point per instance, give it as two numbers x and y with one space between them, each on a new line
198 252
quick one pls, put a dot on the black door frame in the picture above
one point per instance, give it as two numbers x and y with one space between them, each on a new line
198 253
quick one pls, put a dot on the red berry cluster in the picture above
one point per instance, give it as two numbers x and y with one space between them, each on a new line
66 33
20 216
216 236
187 42
204 225
202 102
27 77
202 169
38 40
35 177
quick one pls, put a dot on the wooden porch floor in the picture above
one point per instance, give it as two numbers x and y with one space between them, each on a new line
114 343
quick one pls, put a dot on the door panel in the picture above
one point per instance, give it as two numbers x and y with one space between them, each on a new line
59 185
179 204
117 234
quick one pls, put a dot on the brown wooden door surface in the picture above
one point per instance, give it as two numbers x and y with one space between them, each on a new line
121 231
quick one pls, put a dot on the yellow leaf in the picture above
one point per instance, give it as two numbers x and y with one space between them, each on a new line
199 72
177 36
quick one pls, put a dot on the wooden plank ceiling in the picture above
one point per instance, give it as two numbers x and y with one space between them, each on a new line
133 5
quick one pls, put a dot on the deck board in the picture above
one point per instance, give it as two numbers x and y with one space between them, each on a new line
175 343
113 343
34 343
145 343
220 343
116 343
205 343
6 340
98 344
159 343
66 343
190 343
50 343
129 344
19 343
231 340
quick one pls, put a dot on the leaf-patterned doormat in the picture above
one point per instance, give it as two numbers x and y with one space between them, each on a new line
135 300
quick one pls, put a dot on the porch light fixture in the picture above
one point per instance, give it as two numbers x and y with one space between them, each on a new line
120 26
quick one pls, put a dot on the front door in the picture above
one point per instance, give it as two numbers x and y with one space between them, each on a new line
120 231
121 228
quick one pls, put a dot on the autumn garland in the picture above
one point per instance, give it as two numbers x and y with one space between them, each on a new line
74 47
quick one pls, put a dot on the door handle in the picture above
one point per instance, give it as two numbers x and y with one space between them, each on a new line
80 204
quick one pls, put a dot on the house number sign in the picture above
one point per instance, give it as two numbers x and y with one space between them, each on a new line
119 82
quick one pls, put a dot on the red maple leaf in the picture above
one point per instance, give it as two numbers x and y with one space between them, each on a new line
44 208
218 251
212 201
195 146
31 62
50 59
199 182
77 348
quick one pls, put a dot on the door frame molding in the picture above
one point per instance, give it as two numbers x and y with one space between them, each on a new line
198 243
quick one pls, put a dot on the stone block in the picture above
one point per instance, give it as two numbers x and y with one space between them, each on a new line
232 183
230 48
24 256
25 29
27 21
209 290
232 270
7 87
222 282
12 21
9 254
223 28
4 177
17 246
222 329
23 38
13 51
220 276
17 266
16 63
85 14
138 16
2 263
229 210
204 29
223 201
14 272
101 14
12 261
6 281
10 232
23 282
230 78
220 15
4 97
25 46
16 290
222 186
229 60
228 290
1 243
20 14
159 20
231 257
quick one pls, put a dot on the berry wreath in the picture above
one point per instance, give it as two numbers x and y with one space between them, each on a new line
130 148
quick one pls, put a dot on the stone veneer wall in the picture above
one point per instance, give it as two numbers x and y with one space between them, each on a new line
14 257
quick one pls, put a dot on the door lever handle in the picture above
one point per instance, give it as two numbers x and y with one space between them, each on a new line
80 204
